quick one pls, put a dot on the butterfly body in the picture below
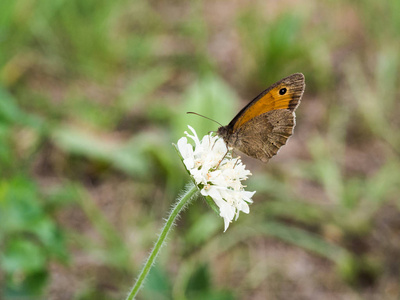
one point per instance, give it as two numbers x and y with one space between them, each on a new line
262 127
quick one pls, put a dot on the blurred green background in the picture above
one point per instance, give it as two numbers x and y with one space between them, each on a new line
92 95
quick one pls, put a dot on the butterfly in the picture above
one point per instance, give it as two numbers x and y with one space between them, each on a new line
264 125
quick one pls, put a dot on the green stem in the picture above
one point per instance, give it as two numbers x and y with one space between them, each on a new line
180 204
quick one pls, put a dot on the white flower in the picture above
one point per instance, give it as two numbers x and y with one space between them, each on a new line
217 174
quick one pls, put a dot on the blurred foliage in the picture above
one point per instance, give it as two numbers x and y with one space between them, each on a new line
29 237
93 94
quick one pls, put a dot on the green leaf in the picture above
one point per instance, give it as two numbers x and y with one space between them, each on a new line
9 111
126 156
210 97
158 285
205 226
303 239
22 255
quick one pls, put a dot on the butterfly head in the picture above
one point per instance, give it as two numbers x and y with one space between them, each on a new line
223 132
226 133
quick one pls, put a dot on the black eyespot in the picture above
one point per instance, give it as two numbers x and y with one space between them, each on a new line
282 91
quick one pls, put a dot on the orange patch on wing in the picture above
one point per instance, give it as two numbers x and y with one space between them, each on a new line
270 101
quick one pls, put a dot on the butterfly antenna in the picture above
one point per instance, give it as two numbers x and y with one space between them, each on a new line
190 112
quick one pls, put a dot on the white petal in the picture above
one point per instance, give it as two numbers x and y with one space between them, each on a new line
194 137
247 196
189 163
186 151
183 146
244 207
198 176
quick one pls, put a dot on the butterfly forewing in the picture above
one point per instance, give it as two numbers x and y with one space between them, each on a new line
262 127
271 99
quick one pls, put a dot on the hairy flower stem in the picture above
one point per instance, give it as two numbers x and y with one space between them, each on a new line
177 208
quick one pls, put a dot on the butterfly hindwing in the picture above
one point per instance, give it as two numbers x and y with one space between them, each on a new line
264 135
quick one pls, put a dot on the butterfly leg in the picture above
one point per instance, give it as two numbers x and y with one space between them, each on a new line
237 159
222 158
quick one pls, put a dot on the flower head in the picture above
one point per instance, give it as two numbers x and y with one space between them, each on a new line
217 175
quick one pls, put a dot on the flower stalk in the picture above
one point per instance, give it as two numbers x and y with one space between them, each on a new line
181 203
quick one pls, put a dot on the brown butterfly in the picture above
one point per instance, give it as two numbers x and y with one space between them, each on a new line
264 125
